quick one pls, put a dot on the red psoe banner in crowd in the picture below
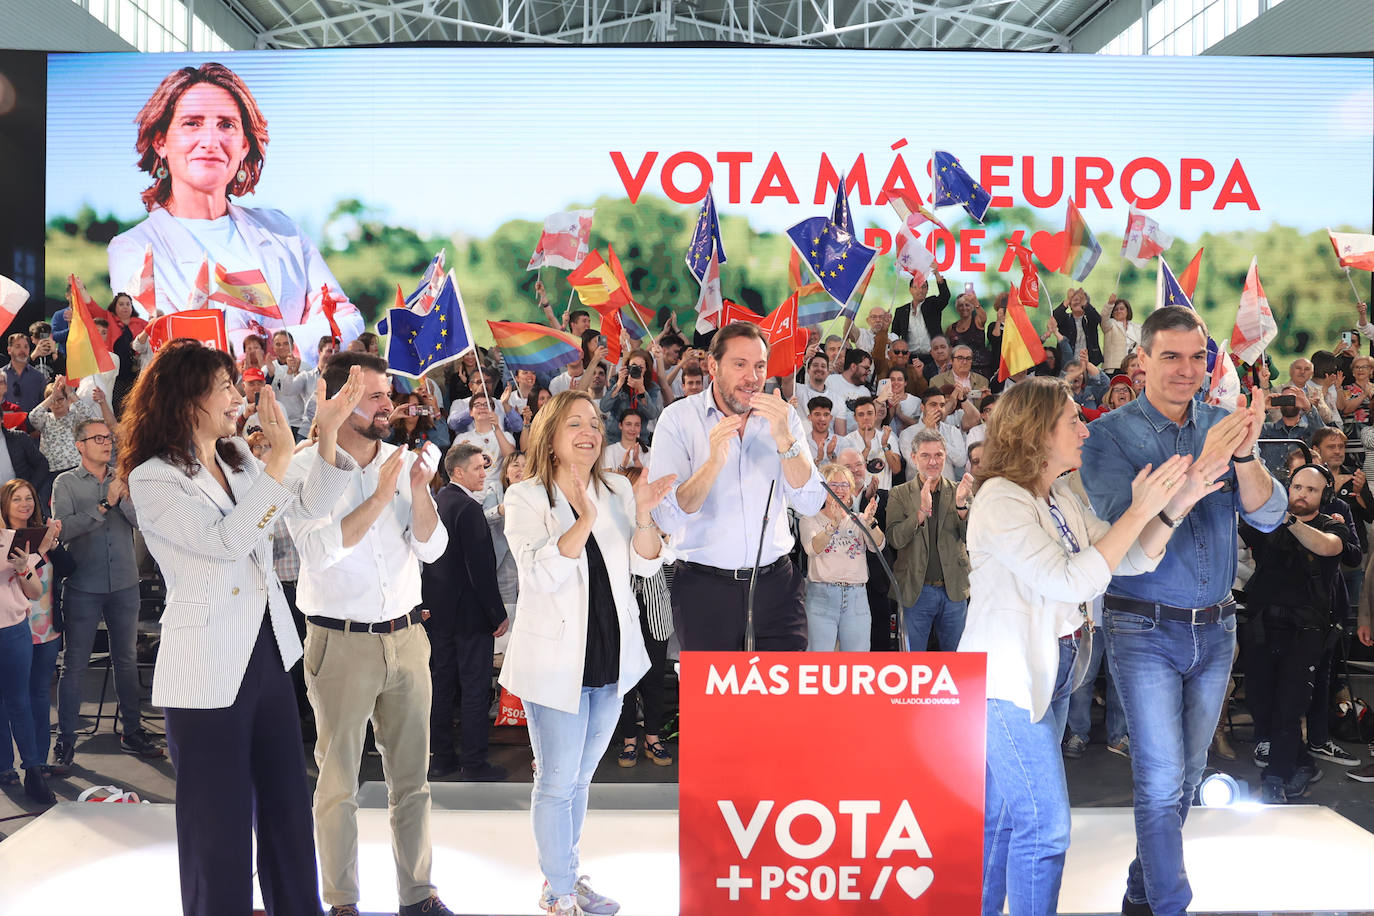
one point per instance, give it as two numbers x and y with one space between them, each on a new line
204 325
828 783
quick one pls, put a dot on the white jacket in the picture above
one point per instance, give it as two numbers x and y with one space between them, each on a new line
216 555
548 644
1025 587
290 263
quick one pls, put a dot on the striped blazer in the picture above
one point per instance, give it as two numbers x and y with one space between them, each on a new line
216 554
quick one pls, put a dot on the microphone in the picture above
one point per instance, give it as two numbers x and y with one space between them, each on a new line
754 575
873 545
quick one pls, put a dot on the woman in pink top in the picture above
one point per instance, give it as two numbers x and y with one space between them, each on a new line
837 570
22 584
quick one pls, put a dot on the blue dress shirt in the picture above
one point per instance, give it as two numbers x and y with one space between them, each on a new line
1199 565
724 532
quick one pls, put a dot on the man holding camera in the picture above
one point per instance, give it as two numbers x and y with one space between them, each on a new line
1297 422
877 446
46 357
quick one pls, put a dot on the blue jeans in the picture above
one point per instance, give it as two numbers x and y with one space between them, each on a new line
16 661
81 612
1172 677
837 612
1026 815
1081 700
40 704
934 610
567 748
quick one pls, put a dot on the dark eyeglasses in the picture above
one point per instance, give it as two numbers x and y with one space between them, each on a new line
899 352
1065 532
98 438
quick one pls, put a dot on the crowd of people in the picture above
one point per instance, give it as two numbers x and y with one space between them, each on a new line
341 545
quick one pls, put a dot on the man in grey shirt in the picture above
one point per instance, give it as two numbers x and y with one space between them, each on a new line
98 530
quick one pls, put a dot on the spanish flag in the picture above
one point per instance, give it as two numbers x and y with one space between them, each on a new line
247 290
1021 348
86 350
596 284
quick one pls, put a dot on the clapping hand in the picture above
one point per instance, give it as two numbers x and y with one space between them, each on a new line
927 497
870 511
1153 488
54 526
331 412
649 493
274 424
775 410
964 490
577 497
19 561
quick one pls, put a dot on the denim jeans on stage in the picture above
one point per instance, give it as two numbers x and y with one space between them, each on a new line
934 610
40 704
1172 678
837 613
1026 810
81 612
567 747
1081 701
16 661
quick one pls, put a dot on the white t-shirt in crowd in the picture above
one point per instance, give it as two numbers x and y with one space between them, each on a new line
855 440
839 389
614 456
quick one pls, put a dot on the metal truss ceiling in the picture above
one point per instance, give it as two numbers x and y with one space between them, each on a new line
1022 25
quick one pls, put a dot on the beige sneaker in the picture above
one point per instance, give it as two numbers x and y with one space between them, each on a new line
1221 745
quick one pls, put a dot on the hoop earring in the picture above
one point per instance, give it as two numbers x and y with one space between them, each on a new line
160 173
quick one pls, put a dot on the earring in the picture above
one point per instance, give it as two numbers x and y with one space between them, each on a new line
242 176
161 171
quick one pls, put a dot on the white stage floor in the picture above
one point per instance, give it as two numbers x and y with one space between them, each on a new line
121 859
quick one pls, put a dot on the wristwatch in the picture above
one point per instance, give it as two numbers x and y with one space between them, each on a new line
1171 522
792 452
1290 521
104 504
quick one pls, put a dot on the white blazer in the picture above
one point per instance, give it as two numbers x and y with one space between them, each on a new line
1025 587
290 262
216 555
548 644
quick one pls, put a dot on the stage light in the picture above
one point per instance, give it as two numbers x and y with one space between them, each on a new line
1218 790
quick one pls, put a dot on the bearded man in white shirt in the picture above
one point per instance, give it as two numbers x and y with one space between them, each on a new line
366 655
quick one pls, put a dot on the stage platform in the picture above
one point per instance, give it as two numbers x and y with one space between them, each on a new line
121 859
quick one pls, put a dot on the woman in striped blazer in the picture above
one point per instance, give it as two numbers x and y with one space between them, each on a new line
207 510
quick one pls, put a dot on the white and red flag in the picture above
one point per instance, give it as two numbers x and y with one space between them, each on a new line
1353 250
12 299
141 287
709 302
912 257
1143 239
1255 325
565 241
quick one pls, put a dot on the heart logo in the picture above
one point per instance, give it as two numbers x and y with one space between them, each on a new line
1051 248
915 881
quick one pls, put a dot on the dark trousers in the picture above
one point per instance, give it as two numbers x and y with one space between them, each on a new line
709 611
460 663
1279 670
240 770
650 688
298 670
1319 707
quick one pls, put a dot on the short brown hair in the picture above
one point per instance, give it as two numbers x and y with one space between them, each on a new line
156 117
1018 436
733 330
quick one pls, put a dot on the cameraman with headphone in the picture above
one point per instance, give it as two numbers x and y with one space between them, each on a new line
1296 566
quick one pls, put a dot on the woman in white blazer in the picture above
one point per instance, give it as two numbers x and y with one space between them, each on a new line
203 139
207 510
1039 556
577 534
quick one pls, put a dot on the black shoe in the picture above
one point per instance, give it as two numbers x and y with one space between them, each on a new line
11 778
62 753
142 744
1273 791
36 787
442 765
431 907
1300 783
487 772
1130 908
346 909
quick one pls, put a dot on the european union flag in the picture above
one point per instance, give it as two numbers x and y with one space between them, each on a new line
955 186
418 343
1168 291
705 235
837 257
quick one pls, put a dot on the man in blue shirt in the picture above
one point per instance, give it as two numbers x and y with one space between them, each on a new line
1170 634
726 445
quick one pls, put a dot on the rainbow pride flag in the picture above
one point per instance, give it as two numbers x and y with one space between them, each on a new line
534 346
1083 249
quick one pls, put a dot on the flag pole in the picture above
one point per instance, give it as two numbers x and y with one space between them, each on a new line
1353 288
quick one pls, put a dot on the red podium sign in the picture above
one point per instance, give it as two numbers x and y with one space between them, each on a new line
832 782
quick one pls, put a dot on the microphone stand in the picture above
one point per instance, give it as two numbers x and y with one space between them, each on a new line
891 576
754 575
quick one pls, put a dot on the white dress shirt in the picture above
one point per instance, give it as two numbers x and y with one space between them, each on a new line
378 578
291 391
724 532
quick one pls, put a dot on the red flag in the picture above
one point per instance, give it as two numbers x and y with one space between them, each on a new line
1029 288
200 292
597 284
1353 250
1187 280
786 339
612 330
327 305
1255 324
204 325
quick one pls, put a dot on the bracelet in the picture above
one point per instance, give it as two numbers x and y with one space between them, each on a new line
960 508
1244 458
652 524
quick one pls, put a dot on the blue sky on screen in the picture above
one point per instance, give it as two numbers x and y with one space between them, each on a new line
461 140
